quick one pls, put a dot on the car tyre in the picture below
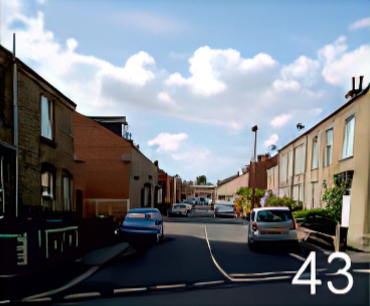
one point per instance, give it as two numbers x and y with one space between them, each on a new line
161 238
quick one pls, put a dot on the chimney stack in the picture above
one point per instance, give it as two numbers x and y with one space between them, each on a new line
353 84
360 87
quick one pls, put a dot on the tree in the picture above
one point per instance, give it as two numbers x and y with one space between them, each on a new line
334 198
201 180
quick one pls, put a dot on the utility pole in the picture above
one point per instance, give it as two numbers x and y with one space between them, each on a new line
15 118
253 167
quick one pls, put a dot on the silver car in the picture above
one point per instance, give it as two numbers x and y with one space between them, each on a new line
142 225
178 210
271 226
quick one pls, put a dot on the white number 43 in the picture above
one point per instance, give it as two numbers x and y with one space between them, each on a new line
313 282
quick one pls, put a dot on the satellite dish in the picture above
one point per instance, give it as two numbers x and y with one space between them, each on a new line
272 147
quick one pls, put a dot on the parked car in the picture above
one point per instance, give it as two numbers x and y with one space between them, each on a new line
142 224
189 205
271 226
194 200
178 210
224 209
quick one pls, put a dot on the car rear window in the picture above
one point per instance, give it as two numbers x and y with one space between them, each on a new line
274 215
141 216
180 206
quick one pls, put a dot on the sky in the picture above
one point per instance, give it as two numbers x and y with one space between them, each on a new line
193 77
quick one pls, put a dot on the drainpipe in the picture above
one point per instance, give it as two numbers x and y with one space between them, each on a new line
16 137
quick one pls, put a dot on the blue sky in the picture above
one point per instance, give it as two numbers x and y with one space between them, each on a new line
192 77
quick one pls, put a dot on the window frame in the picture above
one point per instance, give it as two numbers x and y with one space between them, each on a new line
51 195
299 159
68 176
346 143
328 146
51 121
315 153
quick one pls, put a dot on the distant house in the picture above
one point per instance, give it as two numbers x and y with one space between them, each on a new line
336 147
112 174
45 151
227 188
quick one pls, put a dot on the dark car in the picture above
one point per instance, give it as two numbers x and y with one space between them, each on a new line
142 224
224 209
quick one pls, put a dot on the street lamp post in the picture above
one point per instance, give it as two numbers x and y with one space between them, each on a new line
254 129
174 188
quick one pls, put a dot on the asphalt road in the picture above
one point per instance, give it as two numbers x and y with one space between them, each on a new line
188 269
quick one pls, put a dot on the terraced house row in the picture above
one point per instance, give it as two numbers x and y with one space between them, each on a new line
58 166
335 149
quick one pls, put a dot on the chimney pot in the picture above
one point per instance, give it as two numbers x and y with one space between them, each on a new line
353 84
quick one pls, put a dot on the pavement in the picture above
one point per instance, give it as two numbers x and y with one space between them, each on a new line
23 287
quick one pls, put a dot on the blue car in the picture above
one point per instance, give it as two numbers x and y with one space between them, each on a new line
142 225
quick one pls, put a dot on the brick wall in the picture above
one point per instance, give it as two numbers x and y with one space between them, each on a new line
32 151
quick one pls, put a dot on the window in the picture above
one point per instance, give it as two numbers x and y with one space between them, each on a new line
329 147
47 179
349 135
283 168
299 159
46 118
67 187
315 153
47 189
296 192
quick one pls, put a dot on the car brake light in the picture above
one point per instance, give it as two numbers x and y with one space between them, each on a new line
254 226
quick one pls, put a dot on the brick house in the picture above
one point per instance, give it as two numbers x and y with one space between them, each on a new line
45 121
112 174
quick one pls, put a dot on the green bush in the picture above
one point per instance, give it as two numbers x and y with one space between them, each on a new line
244 202
272 200
301 214
334 198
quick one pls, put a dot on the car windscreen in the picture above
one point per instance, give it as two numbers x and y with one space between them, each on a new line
274 215
224 207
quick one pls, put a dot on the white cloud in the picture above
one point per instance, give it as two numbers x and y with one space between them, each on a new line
260 61
272 140
148 22
165 97
284 85
359 24
332 52
168 142
281 120
350 64
315 112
